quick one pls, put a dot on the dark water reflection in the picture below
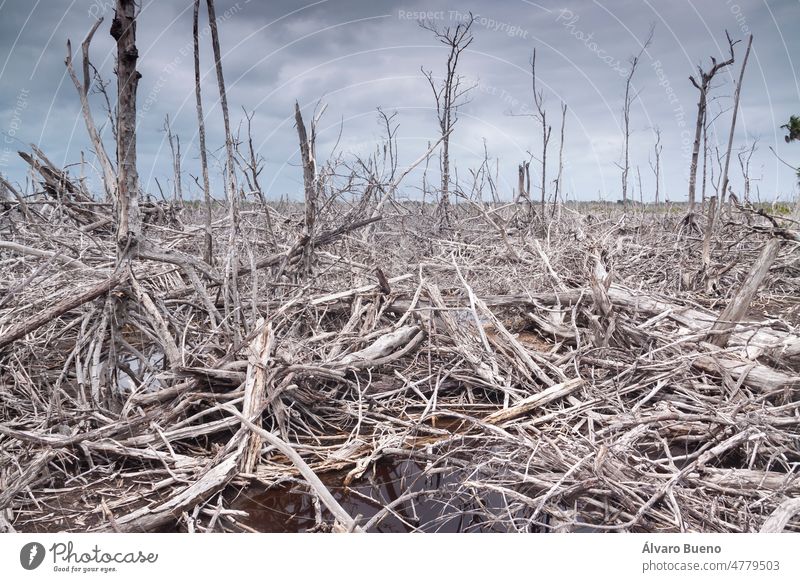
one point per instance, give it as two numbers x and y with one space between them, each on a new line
431 502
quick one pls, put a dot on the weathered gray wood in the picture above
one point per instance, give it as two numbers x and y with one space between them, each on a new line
308 474
129 221
780 517
149 518
740 302
109 175
20 330
254 393
531 403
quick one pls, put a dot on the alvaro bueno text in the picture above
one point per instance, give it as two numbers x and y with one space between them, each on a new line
651 548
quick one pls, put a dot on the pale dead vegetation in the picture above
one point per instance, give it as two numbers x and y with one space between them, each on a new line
572 369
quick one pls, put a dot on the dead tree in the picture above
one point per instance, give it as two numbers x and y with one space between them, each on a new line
109 173
704 180
630 97
230 288
708 122
252 167
309 183
208 250
724 186
703 85
129 226
641 190
559 185
175 150
656 167
449 94
744 162
523 193
541 115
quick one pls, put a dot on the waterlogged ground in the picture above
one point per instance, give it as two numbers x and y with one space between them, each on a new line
291 508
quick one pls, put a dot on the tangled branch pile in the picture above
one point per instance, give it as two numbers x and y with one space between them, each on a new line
563 376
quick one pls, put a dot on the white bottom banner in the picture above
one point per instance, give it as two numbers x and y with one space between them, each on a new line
407 557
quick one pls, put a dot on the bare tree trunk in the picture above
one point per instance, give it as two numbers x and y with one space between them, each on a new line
545 140
703 85
528 185
705 160
524 171
724 187
559 186
254 172
712 214
701 116
657 168
447 96
129 228
178 178
626 134
630 97
109 175
231 290
538 101
208 248
175 150
309 182
641 191
745 165
444 200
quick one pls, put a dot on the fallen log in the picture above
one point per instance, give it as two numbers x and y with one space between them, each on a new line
149 518
535 401
779 518
752 374
740 302
22 329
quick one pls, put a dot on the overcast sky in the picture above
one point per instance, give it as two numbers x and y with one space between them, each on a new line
356 56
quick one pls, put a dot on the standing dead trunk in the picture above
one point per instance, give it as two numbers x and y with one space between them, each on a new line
309 183
254 167
129 227
630 97
657 166
724 186
230 287
448 95
208 248
521 183
703 84
704 182
712 214
744 162
524 176
109 175
641 190
175 150
559 185
538 101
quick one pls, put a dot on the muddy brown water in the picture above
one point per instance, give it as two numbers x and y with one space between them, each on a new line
291 508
